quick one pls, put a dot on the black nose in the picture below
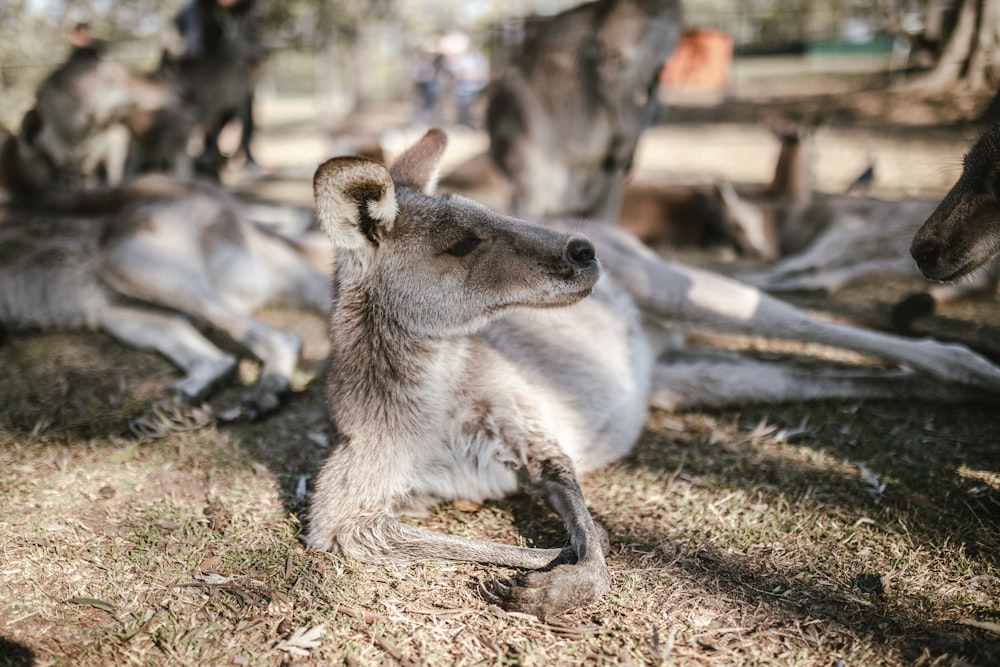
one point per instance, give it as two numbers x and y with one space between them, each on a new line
926 254
580 251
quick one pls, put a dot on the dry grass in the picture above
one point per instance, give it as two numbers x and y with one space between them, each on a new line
753 536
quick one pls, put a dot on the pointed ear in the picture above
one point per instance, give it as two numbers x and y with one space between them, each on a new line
417 167
355 201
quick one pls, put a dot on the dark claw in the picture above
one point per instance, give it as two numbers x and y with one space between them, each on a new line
494 592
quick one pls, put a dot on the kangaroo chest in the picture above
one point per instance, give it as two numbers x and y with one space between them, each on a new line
577 377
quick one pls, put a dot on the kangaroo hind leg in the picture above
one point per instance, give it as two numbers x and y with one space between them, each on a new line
720 378
144 270
174 337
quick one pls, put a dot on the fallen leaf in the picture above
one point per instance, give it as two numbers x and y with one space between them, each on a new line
167 524
982 625
875 487
207 563
285 627
302 641
211 578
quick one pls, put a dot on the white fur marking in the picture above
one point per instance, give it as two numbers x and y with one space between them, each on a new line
733 300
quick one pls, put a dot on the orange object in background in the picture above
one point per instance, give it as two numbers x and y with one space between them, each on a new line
701 61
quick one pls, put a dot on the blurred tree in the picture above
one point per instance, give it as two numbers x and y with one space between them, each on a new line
970 56
346 22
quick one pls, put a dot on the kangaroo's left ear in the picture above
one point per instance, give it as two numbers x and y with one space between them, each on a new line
355 201
418 166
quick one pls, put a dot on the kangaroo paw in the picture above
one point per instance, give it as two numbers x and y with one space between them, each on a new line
169 415
266 397
914 306
554 592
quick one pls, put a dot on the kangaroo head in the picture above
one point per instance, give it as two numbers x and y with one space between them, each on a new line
963 232
439 264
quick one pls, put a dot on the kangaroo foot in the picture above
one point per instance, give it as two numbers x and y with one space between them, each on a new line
266 397
554 592
914 306
169 415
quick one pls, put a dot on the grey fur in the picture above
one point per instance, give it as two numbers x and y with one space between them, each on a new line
149 261
962 233
565 116
466 363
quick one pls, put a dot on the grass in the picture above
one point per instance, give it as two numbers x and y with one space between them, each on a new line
748 536
739 537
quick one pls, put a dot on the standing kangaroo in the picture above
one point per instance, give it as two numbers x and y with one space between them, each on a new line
565 116
963 232
474 355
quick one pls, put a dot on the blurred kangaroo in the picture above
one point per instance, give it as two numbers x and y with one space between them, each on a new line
145 262
96 120
824 242
565 115
963 233
213 54
474 355
745 217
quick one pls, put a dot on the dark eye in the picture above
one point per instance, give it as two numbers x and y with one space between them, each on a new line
464 247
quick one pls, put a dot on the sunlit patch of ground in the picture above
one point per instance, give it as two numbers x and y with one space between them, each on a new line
800 534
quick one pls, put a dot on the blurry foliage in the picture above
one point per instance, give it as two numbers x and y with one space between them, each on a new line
358 46
361 48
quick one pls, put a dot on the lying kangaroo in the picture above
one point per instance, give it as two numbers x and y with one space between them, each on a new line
474 355
147 260
825 242
744 217
962 234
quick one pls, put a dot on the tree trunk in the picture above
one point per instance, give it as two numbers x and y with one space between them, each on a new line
954 60
984 65
356 59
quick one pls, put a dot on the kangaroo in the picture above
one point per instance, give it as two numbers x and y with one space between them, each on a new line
746 218
673 214
564 117
96 121
143 262
213 55
474 355
824 242
659 214
962 234
859 236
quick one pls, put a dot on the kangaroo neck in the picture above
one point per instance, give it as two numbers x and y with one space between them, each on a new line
381 370
791 182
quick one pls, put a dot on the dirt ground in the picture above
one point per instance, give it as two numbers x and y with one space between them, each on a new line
830 533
